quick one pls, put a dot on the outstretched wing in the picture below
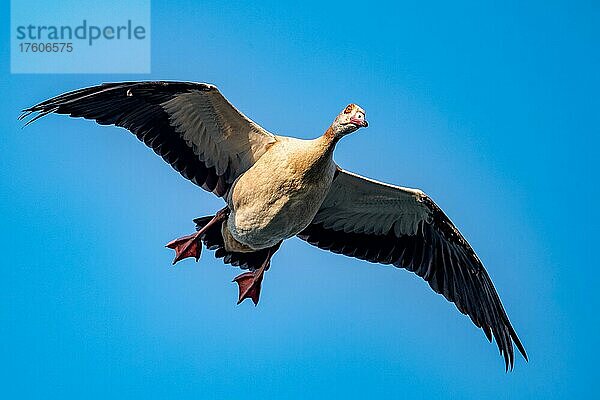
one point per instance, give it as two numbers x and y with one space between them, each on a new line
389 224
190 125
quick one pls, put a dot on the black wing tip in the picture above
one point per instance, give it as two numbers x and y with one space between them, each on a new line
505 339
41 112
517 342
24 114
513 338
506 346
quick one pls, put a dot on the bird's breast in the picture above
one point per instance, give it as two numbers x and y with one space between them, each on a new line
278 196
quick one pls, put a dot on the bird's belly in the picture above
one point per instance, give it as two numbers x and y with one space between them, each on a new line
274 209
263 224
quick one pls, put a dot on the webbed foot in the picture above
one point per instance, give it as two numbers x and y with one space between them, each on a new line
249 284
191 245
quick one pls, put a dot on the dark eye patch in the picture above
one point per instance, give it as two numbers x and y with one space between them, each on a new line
348 109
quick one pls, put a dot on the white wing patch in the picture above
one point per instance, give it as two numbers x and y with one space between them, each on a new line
356 204
219 134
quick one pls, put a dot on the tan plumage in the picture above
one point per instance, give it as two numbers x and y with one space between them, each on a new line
281 193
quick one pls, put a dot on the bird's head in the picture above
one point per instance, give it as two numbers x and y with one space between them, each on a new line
348 121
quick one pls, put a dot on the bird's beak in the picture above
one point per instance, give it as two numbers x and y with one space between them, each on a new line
359 122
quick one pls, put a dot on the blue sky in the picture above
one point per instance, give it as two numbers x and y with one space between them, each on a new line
492 109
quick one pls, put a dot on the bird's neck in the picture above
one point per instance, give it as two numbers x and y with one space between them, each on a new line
330 138
323 148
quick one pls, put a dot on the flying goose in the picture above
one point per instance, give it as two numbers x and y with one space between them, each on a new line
276 187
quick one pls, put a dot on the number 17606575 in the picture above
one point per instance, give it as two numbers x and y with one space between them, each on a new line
34 47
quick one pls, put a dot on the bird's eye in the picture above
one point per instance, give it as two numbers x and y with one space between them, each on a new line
360 116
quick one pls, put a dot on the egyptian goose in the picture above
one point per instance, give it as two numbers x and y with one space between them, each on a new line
276 187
